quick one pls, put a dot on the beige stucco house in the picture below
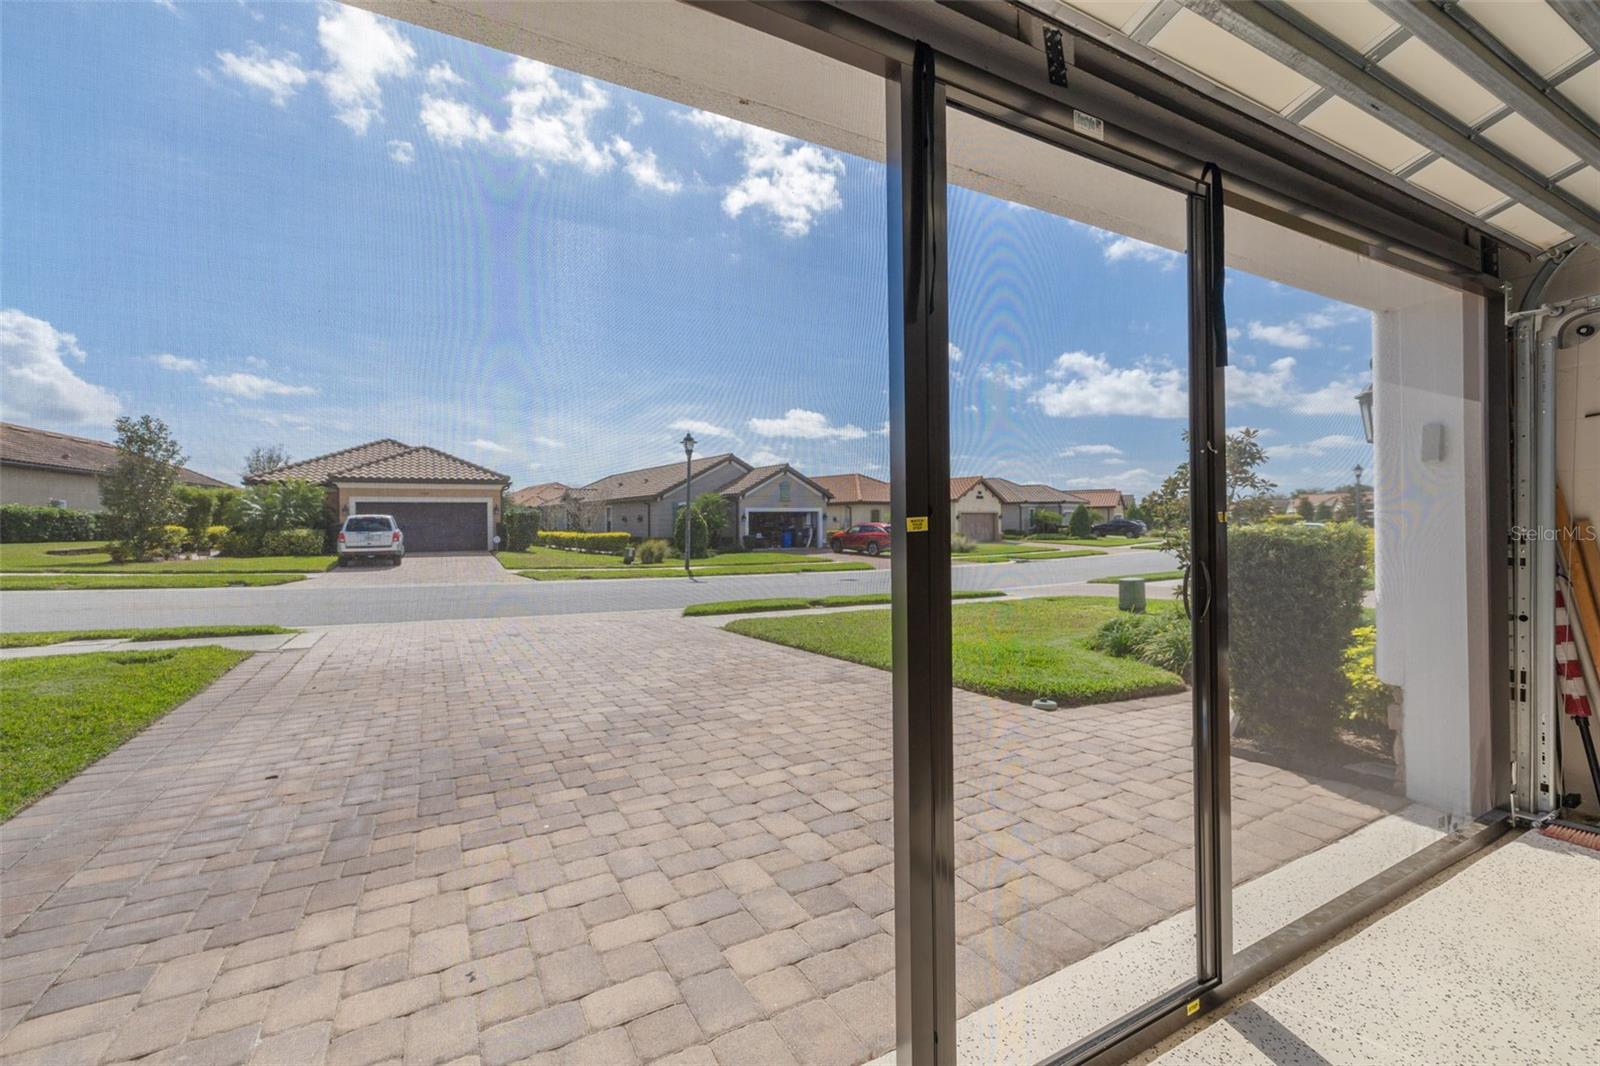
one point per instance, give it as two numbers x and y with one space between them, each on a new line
42 468
974 508
441 502
855 498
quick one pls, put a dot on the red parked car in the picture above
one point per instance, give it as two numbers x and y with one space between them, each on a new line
869 537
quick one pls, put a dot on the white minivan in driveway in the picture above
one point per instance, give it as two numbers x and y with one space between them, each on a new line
371 536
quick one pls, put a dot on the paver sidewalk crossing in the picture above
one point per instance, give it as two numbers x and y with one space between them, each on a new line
607 839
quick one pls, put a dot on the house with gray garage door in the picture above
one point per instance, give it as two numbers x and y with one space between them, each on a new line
440 501
763 502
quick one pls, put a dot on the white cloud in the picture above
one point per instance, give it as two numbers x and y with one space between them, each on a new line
490 446
362 51
1332 442
177 363
253 386
279 76
1277 387
1084 385
1009 375
794 182
1298 333
1117 248
39 385
705 429
548 442
955 354
767 457
1335 398
454 123
403 152
443 76
549 123
806 425
1089 449
1281 335
642 167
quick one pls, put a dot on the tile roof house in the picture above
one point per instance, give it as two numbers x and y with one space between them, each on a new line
974 508
1103 503
554 500
763 501
855 498
1018 502
440 501
42 468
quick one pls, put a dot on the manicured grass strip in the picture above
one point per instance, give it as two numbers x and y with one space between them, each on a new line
796 603
1016 650
1159 575
1100 542
63 636
38 582
541 558
677 571
59 713
19 557
1069 553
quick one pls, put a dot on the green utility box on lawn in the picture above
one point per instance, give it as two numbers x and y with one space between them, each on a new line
1130 594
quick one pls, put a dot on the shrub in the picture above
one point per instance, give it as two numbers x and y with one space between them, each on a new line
22 524
1284 519
292 542
1159 637
212 538
960 542
605 543
237 542
278 505
1296 597
173 538
199 509
1368 699
702 534
652 551
522 526
1046 521
1082 523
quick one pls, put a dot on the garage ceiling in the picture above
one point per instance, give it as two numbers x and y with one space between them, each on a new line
1489 109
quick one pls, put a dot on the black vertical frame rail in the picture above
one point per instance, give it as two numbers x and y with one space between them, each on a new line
919 399
1208 530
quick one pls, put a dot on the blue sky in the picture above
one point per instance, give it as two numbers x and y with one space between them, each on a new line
303 224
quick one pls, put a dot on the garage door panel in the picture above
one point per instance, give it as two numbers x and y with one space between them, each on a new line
436 527
980 527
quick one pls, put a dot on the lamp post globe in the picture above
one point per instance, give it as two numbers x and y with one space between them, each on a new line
688 501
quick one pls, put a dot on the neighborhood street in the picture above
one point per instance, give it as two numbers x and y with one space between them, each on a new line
441 588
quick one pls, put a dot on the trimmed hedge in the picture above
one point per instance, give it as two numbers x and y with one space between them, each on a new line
292 542
606 543
21 524
1296 598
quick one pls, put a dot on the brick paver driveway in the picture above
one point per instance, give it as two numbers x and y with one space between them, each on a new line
579 840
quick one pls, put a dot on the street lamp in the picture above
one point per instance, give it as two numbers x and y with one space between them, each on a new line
1364 401
688 502
1358 494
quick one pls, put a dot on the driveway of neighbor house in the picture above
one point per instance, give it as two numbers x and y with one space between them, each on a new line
420 568
609 837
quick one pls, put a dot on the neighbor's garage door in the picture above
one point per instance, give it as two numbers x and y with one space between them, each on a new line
437 527
981 527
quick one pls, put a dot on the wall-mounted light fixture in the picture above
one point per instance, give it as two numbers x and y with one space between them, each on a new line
1364 401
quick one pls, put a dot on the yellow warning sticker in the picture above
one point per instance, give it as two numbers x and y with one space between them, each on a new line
916 525
1193 1008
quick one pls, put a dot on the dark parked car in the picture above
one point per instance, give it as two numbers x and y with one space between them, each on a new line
869 537
1119 527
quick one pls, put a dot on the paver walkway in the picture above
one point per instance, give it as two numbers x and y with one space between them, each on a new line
602 839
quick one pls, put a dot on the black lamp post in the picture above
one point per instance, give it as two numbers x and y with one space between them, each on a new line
1358 494
1364 401
688 501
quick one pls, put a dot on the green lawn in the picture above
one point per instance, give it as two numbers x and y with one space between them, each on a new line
700 570
796 603
1017 650
536 557
63 636
1159 575
39 582
1066 553
1100 542
999 554
59 713
22 557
